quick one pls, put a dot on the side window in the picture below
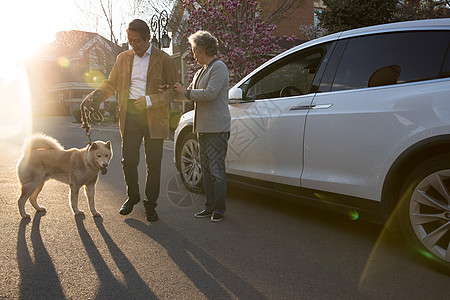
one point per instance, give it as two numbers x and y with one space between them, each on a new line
391 58
290 76
445 71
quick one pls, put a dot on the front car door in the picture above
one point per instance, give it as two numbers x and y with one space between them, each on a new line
267 127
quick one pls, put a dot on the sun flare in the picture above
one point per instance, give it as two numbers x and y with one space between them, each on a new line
24 27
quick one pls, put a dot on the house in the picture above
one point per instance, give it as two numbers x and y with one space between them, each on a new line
65 71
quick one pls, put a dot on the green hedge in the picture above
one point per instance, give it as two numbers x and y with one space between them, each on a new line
175 116
77 115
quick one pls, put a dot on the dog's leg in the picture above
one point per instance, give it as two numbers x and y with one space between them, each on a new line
26 191
73 199
33 197
89 190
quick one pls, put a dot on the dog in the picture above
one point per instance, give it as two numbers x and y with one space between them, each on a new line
44 158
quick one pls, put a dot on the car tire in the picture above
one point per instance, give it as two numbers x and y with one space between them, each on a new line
189 163
424 210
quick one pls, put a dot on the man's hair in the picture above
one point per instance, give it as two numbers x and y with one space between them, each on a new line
140 27
205 41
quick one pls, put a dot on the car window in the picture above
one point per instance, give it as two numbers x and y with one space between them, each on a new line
290 76
445 71
391 58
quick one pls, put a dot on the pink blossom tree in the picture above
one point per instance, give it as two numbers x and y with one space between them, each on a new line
245 40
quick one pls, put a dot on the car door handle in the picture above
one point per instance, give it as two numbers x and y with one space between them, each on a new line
304 107
321 106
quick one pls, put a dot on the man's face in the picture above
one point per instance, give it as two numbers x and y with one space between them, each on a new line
137 43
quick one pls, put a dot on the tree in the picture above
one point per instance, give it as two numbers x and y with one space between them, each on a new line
312 31
245 40
348 14
422 9
110 17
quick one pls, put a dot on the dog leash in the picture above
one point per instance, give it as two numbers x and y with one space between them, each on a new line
90 113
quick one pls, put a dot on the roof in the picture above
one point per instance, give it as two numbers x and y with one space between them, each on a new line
73 43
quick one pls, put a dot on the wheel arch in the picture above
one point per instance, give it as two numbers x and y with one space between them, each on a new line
404 164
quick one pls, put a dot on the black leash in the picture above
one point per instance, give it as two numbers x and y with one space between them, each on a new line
90 113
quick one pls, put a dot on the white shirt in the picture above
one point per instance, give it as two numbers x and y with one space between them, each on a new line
138 82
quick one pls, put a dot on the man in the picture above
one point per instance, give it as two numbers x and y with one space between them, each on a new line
139 76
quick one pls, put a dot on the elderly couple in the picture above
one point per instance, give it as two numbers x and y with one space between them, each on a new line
145 79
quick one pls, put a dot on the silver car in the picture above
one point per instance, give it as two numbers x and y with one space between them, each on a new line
357 121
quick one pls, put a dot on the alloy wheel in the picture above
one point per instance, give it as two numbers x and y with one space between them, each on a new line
190 163
429 211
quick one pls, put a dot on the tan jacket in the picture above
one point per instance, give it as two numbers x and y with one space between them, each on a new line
161 70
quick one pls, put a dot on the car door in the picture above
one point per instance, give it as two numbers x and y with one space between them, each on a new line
267 127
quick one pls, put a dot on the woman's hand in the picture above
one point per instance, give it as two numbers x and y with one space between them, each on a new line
179 88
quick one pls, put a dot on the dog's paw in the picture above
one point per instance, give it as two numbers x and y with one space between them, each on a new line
96 214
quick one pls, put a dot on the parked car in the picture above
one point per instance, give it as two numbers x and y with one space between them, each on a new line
358 121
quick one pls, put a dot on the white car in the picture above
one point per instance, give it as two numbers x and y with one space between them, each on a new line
357 121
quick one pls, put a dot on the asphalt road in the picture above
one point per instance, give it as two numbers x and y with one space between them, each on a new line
265 248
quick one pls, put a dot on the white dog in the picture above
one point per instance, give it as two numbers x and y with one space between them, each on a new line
44 158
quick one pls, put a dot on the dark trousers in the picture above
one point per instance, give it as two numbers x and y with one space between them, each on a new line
213 150
136 129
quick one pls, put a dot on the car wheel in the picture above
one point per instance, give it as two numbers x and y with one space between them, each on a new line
189 163
424 210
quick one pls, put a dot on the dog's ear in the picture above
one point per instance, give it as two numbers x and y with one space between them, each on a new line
93 146
108 145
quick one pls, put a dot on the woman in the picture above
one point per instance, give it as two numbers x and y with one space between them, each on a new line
209 92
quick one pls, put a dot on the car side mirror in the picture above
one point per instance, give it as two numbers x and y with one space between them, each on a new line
234 95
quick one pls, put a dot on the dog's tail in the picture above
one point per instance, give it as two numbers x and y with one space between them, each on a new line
40 141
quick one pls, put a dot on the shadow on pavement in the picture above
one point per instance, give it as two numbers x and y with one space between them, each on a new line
38 279
109 287
213 279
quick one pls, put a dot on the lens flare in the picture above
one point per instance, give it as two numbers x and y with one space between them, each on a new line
93 78
354 215
63 62
425 253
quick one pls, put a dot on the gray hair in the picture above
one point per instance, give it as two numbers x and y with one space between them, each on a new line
204 41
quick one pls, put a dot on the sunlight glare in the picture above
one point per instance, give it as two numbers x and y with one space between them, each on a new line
25 27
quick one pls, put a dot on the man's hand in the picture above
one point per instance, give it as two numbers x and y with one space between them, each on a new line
141 103
162 88
88 98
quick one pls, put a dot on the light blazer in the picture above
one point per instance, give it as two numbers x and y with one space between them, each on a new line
211 99
161 70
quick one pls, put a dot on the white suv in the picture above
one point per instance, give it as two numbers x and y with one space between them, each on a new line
357 121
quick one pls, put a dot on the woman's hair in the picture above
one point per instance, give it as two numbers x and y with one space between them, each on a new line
140 27
204 41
